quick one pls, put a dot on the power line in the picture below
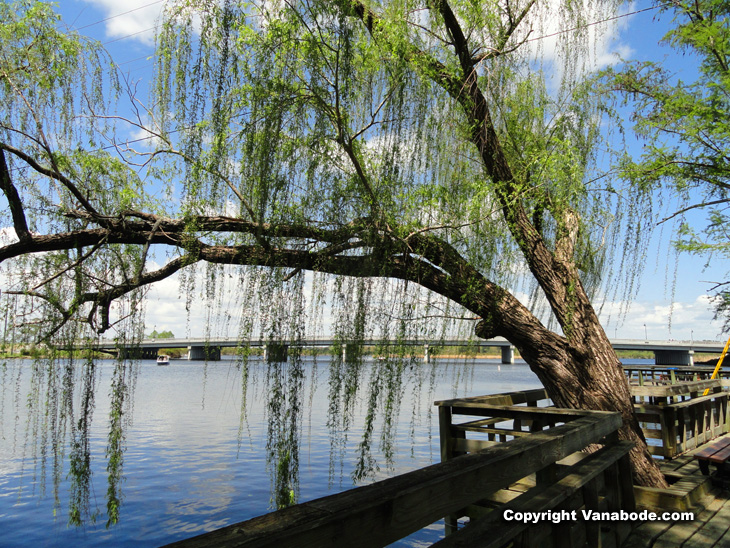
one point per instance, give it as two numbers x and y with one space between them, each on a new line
136 59
592 24
616 17
573 29
128 36
115 145
120 14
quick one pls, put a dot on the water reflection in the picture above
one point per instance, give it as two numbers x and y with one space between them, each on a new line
191 465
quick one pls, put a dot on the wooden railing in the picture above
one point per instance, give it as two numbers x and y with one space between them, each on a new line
678 415
641 375
600 481
537 442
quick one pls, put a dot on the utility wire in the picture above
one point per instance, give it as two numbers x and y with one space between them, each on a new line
120 14
573 29
614 18
594 23
127 36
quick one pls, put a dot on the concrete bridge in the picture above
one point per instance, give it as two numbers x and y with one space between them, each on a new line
665 352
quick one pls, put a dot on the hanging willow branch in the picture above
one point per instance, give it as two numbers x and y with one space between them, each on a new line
342 139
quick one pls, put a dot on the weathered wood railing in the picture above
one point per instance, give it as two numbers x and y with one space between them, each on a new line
642 375
679 415
600 481
383 512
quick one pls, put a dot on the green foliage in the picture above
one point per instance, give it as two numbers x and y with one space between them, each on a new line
161 335
53 82
415 159
686 126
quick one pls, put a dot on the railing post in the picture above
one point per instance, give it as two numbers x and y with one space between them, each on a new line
451 522
628 501
591 501
669 432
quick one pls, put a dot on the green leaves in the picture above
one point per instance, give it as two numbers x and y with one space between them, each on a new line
402 140
686 125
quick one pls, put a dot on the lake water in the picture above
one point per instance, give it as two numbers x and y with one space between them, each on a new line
190 463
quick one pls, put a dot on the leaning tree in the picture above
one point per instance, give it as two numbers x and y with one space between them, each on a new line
440 145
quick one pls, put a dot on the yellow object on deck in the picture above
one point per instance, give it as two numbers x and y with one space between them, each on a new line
719 364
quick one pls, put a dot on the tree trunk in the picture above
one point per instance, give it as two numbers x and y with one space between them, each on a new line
587 375
597 382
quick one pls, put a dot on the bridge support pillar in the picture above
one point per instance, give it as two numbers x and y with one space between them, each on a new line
508 354
206 353
674 357
426 355
351 352
276 352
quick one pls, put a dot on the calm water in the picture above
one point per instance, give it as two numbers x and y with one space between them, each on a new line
185 470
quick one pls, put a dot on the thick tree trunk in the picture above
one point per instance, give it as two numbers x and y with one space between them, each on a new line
595 381
579 370
587 375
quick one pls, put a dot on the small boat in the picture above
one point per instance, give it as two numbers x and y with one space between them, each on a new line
163 359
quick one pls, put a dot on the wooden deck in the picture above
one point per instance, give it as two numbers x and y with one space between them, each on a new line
692 491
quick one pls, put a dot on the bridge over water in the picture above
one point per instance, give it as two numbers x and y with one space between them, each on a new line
669 352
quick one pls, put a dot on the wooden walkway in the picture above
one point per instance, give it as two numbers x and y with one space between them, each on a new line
711 526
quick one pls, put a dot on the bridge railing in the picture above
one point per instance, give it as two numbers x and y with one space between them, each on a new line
540 458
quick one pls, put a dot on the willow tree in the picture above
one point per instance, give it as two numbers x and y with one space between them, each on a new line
412 141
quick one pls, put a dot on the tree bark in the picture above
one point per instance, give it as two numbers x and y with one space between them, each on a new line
587 376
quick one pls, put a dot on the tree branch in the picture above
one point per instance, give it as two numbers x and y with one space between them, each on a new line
554 275
16 205
55 174
506 34
694 206
76 263
105 298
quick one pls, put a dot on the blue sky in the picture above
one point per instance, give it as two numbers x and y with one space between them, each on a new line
125 28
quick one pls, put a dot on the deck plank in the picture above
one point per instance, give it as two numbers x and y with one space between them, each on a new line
645 534
711 526
680 533
715 527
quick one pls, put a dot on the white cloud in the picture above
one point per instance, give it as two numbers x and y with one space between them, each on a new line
663 320
655 320
169 307
144 139
551 26
135 19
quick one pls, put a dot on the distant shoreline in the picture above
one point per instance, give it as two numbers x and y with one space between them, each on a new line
699 359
